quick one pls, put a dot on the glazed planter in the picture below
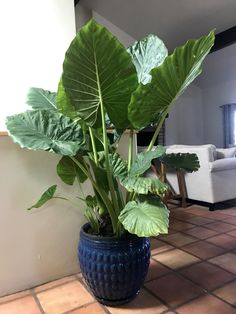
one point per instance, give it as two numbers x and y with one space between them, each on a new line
113 268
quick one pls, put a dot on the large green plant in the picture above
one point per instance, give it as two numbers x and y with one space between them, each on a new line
103 86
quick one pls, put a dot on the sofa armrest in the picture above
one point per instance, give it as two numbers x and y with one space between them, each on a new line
222 164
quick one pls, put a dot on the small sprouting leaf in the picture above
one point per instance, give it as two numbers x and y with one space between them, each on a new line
46 196
67 170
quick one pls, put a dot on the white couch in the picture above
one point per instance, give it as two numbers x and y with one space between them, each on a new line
215 181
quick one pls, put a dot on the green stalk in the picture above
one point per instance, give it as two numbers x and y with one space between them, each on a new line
105 145
130 158
103 195
107 162
151 144
131 151
95 154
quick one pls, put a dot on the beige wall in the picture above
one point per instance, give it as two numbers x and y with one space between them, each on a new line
40 245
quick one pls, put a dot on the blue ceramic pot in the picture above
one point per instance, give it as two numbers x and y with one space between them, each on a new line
113 268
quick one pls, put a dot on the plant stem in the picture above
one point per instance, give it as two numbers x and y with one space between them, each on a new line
105 145
131 150
93 146
107 162
103 195
131 196
151 144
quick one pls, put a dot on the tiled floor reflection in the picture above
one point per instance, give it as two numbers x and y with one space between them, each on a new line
192 271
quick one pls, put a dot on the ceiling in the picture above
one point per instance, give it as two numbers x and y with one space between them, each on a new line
174 21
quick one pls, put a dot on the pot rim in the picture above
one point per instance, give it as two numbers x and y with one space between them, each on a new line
110 239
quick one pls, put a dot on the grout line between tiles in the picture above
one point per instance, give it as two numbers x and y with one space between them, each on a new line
183 303
37 301
170 308
78 307
17 298
216 296
209 292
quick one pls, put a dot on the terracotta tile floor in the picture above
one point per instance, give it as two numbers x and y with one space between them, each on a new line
192 270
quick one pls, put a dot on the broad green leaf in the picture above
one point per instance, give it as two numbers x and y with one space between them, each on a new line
46 196
141 185
145 219
64 105
147 54
143 160
99 71
67 170
145 185
119 166
186 161
40 99
46 130
169 81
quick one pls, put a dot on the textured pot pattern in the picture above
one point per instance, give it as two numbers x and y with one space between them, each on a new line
113 268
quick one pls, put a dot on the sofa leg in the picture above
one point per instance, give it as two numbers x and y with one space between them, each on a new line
212 207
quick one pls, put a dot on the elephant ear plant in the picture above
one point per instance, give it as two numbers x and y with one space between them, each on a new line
103 91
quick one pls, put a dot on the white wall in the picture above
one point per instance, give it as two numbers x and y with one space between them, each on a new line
213 98
185 122
35 246
35 36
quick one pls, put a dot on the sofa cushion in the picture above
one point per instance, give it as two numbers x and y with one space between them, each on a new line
225 152
223 164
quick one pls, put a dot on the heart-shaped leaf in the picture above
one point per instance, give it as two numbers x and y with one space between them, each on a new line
64 105
145 185
99 71
181 161
46 130
169 81
143 160
119 166
68 170
40 99
145 218
147 54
